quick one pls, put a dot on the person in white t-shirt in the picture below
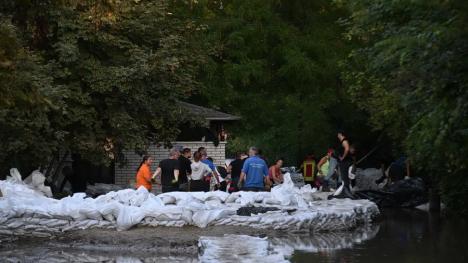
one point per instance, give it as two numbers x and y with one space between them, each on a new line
198 180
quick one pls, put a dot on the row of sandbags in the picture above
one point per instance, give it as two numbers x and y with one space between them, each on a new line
24 207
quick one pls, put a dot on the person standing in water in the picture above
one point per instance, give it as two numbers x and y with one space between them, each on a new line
143 176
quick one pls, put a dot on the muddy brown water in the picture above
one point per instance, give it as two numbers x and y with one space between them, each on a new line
398 236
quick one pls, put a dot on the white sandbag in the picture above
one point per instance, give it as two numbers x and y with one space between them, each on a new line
217 195
168 200
15 176
205 217
128 217
232 197
25 209
284 193
37 179
90 212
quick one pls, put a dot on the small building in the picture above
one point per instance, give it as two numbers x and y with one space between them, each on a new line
211 134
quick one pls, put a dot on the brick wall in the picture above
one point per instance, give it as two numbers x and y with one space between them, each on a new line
125 176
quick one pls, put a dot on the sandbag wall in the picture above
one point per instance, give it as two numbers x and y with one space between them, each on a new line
26 210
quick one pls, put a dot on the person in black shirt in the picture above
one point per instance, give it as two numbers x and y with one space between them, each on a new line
235 168
345 160
169 171
185 169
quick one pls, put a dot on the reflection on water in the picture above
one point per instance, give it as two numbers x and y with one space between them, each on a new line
400 236
404 236
54 255
229 248
235 248
326 241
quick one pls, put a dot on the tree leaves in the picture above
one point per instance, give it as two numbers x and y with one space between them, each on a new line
93 71
403 73
274 63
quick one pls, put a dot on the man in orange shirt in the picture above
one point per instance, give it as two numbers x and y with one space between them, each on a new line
143 177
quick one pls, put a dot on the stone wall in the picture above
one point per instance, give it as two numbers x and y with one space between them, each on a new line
125 176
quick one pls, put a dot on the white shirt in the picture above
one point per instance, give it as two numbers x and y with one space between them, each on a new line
199 170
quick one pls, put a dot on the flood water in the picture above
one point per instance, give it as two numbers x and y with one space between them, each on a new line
403 236
398 236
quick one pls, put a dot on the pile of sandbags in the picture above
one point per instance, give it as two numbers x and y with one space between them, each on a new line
98 189
25 209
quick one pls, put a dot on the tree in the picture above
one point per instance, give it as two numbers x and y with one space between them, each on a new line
409 73
274 63
101 76
28 97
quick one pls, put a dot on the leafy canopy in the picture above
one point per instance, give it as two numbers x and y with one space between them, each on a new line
93 77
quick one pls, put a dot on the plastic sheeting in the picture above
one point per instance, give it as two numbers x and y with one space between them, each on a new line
26 209
408 193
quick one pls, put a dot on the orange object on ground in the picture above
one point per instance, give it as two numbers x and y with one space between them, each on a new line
143 177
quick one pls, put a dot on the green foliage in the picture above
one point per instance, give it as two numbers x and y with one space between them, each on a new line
28 97
86 75
81 75
410 74
274 63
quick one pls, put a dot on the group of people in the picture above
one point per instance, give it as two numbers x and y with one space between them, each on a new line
248 172
333 168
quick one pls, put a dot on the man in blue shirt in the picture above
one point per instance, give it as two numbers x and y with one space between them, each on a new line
254 172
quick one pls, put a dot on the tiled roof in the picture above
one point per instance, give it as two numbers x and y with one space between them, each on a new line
207 113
